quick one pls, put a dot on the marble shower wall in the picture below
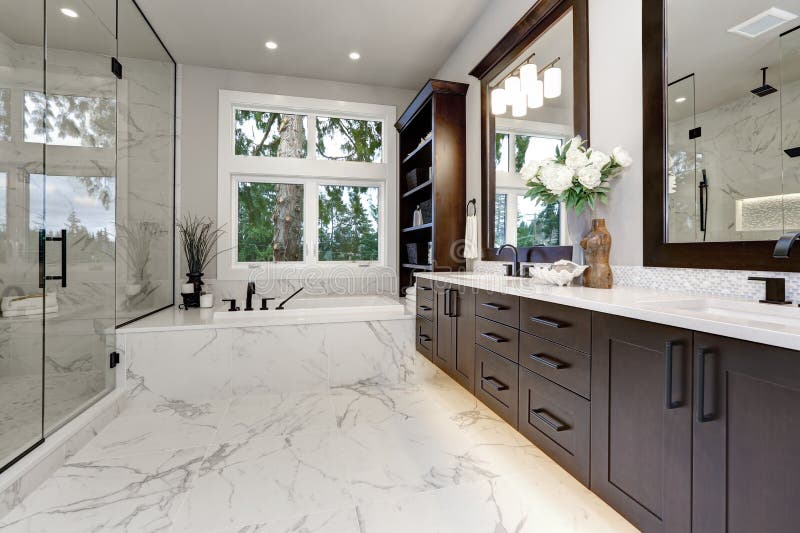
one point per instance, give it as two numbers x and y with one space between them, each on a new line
741 149
179 369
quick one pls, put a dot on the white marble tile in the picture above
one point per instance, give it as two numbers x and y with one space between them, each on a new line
534 501
132 494
138 431
375 405
340 521
280 359
265 478
276 415
179 367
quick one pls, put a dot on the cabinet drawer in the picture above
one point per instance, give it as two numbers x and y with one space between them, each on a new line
567 367
496 383
557 421
498 338
425 309
424 290
425 337
565 325
503 308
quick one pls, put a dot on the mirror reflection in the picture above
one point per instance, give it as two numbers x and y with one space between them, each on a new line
532 104
733 104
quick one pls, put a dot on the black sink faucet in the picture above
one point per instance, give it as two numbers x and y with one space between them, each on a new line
251 290
776 290
784 245
516 257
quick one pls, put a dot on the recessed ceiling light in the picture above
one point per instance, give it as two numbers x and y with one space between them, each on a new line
355 56
71 13
680 99
272 45
762 23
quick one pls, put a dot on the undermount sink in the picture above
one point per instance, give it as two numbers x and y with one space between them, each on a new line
786 315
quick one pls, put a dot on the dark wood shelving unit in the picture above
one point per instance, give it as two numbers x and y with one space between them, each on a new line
440 109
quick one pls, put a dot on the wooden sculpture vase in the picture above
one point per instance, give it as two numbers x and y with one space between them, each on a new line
596 248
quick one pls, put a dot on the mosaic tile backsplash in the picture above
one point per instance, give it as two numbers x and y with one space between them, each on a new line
701 281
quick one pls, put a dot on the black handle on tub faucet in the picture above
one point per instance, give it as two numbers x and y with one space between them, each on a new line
233 304
280 306
264 306
251 290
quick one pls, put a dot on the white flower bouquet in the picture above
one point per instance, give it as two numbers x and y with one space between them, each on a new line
578 176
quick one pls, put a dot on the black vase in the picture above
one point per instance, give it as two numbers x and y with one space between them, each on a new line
196 278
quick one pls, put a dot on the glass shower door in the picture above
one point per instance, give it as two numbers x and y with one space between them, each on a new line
79 188
21 379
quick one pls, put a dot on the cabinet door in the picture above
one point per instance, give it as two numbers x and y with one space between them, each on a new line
641 440
463 357
746 473
443 355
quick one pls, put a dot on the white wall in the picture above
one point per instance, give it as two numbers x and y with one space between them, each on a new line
199 102
615 64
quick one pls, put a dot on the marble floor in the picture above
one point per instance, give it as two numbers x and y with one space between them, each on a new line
413 458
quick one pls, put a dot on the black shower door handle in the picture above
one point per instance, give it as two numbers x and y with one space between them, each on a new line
43 239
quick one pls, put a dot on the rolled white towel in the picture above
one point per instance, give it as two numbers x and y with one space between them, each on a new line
471 238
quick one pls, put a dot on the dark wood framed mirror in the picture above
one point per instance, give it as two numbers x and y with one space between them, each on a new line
678 232
566 18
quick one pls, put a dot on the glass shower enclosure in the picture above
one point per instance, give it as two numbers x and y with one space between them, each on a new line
87 123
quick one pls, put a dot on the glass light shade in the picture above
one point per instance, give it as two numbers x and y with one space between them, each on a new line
519 105
536 96
552 82
499 103
513 86
527 76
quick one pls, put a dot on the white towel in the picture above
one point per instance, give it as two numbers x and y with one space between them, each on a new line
471 238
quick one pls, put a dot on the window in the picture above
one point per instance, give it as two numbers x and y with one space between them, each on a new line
500 210
534 148
305 182
71 120
260 214
345 139
257 134
537 224
5 115
348 223
501 152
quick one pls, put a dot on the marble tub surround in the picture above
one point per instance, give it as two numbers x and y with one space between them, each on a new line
729 317
423 455
174 369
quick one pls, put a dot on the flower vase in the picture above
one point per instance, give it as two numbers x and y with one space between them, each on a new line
196 279
577 227
596 247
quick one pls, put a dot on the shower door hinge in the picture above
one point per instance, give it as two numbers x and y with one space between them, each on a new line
116 68
113 359
694 133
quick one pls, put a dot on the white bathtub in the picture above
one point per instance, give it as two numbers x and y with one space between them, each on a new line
323 308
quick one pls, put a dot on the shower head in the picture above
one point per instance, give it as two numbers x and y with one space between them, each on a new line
765 89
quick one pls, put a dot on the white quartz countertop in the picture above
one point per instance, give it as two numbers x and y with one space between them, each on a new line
741 319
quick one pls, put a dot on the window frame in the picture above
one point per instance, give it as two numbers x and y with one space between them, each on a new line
311 173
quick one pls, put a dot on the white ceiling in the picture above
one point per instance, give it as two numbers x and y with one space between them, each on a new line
726 65
402 42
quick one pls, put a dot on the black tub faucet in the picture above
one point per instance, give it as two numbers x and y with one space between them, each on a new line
251 290
784 245
280 306
516 257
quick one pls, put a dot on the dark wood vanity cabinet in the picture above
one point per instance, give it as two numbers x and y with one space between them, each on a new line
746 464
455 333
641 421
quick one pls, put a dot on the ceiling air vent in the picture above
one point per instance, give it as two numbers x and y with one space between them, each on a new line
763 22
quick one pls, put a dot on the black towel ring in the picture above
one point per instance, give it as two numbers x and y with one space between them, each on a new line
474 205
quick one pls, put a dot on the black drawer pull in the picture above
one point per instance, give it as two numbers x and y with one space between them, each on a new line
496 384
546 360
494 338
424 338
550 420
668 349
496 307
700 373
547 322
425 308
421 288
